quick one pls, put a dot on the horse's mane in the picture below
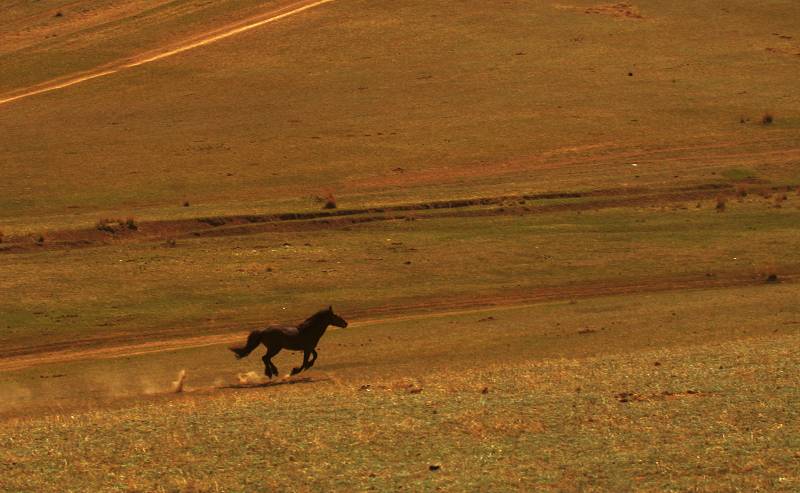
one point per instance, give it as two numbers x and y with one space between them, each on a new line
312 320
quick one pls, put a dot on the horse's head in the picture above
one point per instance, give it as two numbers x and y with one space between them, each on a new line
335 319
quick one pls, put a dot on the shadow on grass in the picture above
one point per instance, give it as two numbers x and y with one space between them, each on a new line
275 383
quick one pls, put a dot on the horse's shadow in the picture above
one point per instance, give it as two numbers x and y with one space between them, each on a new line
273 383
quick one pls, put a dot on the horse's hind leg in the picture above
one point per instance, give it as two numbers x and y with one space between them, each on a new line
302 367
269 368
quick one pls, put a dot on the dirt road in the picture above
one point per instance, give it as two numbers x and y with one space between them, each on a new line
122 345
164 52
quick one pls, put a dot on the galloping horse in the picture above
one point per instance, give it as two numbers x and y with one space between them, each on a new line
304 338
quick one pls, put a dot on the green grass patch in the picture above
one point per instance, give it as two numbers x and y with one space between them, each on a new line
217 284
739 174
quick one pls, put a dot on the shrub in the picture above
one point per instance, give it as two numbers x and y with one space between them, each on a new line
767 119
330 202
741 190
721 203
116 225
213 221
107 225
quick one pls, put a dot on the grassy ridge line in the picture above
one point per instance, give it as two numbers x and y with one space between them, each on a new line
514 204
701 419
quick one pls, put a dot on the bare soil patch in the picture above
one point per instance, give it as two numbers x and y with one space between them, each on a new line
622 10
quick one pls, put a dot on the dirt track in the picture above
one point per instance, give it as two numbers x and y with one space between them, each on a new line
236 225
120 345
155 55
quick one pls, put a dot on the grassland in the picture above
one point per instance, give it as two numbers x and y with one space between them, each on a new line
544 288
651 355
417 102
525 403
214 285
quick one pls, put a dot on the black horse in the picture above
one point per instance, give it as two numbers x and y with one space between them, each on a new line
304 338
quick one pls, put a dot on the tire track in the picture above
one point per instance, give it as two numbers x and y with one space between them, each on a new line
209 38
125 345
237 225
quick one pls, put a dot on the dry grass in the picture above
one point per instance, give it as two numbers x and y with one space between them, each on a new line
338 129
703 420
216 284
631 346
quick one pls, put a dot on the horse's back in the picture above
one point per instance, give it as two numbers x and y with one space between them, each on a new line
284 330
283 336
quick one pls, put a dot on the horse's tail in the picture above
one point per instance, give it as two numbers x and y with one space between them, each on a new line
253 340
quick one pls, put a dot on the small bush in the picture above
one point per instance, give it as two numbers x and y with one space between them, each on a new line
107 225
213 221
767 119
721 200
742 190
330 202
39 240
116 225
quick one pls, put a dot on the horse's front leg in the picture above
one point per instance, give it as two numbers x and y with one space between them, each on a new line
267 366
302 367
311 363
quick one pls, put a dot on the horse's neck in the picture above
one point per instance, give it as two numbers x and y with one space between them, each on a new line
320 329
316 330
